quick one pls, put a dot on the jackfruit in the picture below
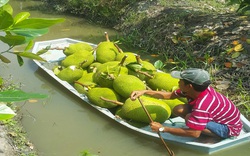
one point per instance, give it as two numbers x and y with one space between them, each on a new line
126 84
173 102
82 59
70 74
93 67
162 81
94 95
158 110
140 68
76 47
131 57
85 83
106 51
107 72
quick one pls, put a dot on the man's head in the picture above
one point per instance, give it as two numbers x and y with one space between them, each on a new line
199 78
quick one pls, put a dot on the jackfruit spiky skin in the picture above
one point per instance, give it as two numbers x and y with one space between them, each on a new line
76 47
93 67
94 95
107 72
70 74
85 83
158 110
126 84
131 57
106 51
162 81
173 102
145 67
81 58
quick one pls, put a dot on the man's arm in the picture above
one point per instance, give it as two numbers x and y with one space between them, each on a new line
156 94
187 132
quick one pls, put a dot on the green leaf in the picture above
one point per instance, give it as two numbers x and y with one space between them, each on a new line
19 95
3 2
37 23
29 55
6 19
21 16
30 32
42 51
1 81
6 112
8 8
13 40
159 64
236 54
134 66
20 60
29 46
4 59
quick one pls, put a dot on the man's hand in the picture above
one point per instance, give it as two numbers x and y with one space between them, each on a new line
155 126
135 94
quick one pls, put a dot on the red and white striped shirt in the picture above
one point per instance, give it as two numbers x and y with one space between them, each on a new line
213 106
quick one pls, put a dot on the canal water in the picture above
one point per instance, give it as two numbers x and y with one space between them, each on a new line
63 125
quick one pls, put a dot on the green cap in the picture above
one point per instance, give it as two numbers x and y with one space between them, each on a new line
194 75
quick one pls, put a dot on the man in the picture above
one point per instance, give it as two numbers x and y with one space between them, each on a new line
207 111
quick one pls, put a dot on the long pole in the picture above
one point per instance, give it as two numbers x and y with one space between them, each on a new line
170 152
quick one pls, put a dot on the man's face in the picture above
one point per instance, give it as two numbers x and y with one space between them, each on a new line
183 87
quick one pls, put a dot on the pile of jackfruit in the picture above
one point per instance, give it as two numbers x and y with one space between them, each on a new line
107 76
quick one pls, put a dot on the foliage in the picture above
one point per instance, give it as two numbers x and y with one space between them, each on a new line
106 12
21 29
244 5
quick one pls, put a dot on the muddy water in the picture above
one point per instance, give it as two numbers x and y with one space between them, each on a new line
63 125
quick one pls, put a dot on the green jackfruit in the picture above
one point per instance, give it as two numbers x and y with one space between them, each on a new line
173 102
76 47
140 68
85 83
158 109
82 59
94 95
70 74
93 67
106 51
126 84
107 72
162 81
131 57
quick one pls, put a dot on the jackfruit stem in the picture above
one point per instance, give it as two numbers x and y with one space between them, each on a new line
138 60
119 49
87 86
112 101
145 73
123 60
107 37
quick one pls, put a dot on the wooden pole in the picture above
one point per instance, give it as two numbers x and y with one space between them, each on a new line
170 152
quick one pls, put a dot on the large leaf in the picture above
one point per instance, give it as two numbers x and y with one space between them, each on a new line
29 55
30 32
3 2
6 19
13 40
37 23
21 16
18 95
6 112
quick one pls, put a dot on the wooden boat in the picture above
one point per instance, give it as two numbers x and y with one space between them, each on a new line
204 144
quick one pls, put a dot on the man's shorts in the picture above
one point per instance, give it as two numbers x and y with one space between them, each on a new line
219 129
